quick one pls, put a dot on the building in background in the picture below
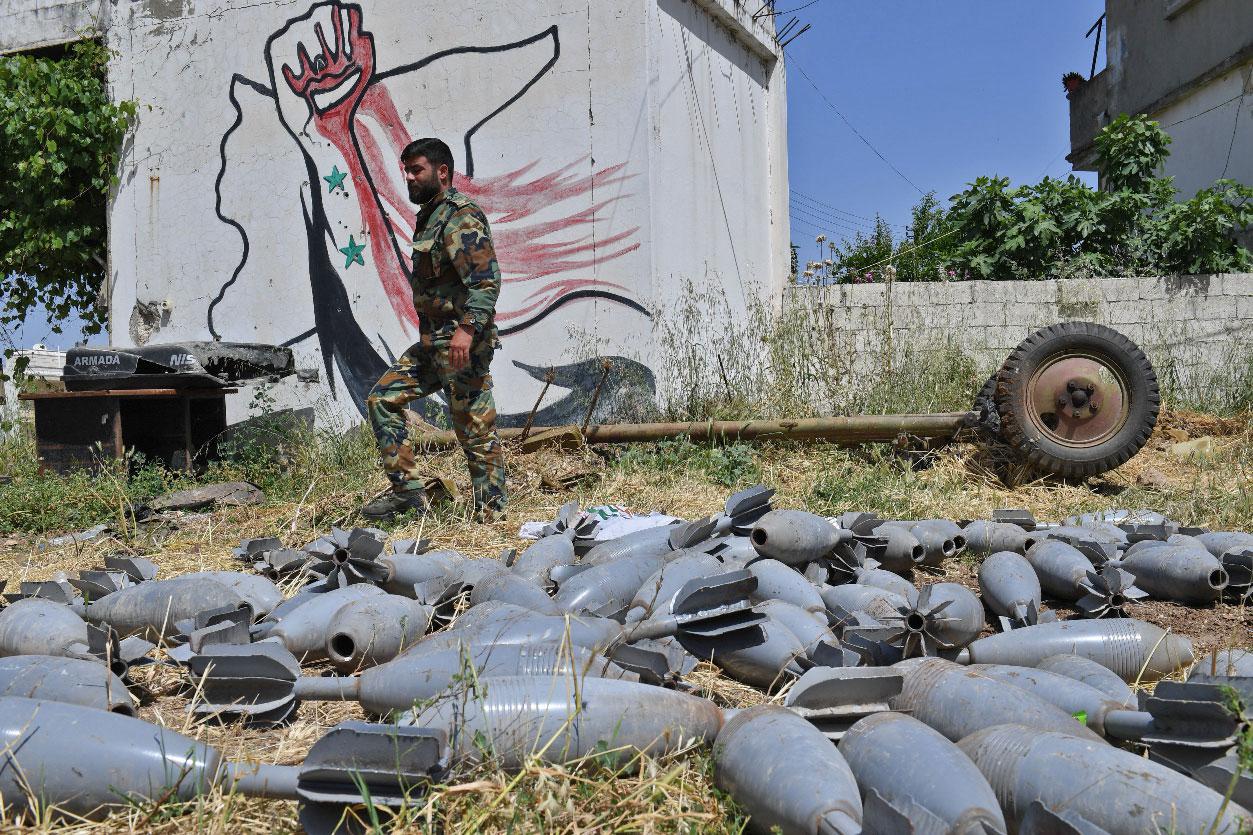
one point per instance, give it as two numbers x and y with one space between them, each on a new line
1187 64
624 150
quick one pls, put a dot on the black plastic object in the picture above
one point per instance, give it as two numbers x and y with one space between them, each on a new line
175 365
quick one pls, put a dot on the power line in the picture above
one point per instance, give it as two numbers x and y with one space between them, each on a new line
790 11
856 132
814 200
829 225
818 215
1232 143
1207 110
860 220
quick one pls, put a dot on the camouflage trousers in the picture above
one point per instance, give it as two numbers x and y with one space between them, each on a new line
424 370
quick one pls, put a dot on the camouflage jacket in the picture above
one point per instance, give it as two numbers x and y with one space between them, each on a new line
455 278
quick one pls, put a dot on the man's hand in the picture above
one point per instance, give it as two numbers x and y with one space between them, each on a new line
459 349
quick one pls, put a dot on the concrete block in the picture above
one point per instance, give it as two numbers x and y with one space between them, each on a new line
1120 289
1125 313
1023 313
1152 289
1237 284
1244 307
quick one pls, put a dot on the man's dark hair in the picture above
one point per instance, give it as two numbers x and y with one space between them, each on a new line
433 149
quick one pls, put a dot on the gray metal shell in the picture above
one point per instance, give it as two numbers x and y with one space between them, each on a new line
1224 663
778 581
786 775
518 589
1184 574
959 622
984 537
419 676
542 557
1061 568
151 609
957 702
304 630
650 541
515 718
767 665
33 626
404 571
888 580
608 588
1133 649
257 591
851 597
1070 695
85 761
808 628
513 625
796 537
71 680
1093 675
1010 588
921 775
1220 542
373 629
934 535
657 592
1090 781
901 550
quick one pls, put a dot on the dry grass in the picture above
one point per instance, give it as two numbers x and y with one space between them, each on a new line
674 794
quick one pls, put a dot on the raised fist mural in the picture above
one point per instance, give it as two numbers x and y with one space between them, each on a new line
349 113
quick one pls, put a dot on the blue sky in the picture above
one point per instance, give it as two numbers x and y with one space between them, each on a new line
945 90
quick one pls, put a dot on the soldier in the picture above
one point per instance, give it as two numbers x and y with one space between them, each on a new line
455 281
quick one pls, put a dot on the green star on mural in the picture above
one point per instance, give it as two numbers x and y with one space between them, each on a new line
335 179
352 253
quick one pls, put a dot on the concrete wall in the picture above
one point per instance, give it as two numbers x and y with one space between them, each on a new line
32 24
1173 60
621 149
1192 327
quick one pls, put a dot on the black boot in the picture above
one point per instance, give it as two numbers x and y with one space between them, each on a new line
393 504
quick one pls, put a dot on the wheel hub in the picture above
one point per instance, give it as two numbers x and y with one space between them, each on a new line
1077 400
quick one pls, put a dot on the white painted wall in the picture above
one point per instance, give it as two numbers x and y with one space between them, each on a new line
620 147
1212 133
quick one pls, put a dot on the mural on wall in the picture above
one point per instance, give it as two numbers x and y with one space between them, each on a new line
350 119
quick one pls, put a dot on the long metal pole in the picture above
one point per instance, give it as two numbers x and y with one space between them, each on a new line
855 429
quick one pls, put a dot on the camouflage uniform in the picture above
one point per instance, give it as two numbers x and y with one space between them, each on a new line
456 281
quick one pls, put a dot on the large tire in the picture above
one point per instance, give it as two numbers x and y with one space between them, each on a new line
1077 399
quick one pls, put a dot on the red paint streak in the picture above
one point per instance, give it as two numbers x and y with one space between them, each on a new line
352 51
527 248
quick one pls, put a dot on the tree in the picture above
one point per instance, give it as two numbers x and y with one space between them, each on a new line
60 137
1132 225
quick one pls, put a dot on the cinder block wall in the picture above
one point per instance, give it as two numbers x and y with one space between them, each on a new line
1190 326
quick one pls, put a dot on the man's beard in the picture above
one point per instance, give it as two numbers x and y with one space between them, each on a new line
423 193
